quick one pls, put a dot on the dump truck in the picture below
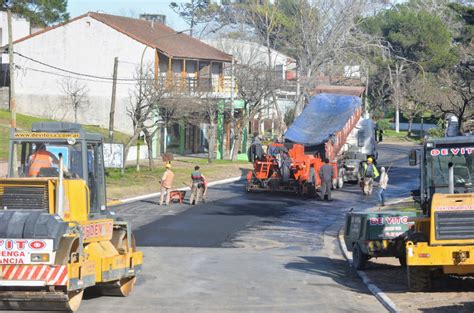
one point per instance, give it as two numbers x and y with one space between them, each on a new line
442 240
333 126
57 236
284 168
377 234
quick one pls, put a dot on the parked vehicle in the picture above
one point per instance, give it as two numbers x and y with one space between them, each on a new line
377 234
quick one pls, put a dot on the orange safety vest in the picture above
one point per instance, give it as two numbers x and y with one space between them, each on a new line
39 160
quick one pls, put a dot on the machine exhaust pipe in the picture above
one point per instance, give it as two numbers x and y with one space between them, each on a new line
451 177
60 189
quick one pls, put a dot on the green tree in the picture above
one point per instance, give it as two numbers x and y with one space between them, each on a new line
195 12
39 12
412 42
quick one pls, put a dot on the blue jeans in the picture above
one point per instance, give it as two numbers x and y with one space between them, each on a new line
381 195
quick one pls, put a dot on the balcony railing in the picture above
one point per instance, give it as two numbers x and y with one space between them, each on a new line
215 84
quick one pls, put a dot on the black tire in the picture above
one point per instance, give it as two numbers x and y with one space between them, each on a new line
419 278
403 261
247 186
312 176
359 258
417 237
340 179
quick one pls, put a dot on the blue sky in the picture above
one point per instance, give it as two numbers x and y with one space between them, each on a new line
131 8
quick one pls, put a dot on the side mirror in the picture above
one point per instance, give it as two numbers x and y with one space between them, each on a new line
413 157
416 195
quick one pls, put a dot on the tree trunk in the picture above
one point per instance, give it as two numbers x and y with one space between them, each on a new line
149 144
410 126
238 142
126 149
212 142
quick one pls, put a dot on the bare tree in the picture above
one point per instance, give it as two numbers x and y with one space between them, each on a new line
144 102
414 104
256 84
452 92
76 93
323 34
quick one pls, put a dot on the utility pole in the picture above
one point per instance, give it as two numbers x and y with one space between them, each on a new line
12 70
232 117
366 100
112 104
12 103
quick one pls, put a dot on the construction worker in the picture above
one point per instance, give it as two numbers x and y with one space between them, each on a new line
197 186
255 151
41 158
383 182
274 148
370 173
166 184
326 173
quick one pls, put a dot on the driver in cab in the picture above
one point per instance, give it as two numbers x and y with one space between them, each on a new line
41 158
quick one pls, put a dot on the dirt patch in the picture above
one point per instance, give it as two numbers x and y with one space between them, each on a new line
449 293
3 169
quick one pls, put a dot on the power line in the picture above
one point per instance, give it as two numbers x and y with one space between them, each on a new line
109 79
72 72
72 77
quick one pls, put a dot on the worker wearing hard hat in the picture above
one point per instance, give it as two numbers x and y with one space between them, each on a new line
166 184
370 173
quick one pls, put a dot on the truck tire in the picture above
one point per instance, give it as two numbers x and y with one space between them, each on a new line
419 278
340 179
403 261
359 258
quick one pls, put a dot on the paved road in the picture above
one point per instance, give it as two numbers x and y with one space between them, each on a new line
250 252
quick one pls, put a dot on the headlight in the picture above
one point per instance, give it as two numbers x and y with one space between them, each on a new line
39 257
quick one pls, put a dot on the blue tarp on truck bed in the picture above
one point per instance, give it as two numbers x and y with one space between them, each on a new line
323 116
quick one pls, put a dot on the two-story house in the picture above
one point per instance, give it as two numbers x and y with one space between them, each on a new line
79 55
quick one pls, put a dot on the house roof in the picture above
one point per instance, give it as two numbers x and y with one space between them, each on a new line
165 39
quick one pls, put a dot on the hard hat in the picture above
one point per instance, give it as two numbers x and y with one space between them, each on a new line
370 159
168 165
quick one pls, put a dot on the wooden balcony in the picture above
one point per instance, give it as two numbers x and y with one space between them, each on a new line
216 84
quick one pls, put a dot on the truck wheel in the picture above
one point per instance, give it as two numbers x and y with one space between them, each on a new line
247 186
419 278
403 261
359 258
340 179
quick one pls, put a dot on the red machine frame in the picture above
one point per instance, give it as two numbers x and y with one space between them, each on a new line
304 173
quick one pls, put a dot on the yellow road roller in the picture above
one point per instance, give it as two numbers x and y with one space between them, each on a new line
57 236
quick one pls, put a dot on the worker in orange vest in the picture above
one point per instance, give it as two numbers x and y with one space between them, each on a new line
41 159
166 184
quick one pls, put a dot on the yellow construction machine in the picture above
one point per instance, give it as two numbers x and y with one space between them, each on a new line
442 241
57 236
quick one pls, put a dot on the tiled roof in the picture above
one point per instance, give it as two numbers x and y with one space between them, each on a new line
156 35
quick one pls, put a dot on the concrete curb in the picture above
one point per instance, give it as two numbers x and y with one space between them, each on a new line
379 294
157 194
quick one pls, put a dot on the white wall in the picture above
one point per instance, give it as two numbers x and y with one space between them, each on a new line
251 53
20 27
85 46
